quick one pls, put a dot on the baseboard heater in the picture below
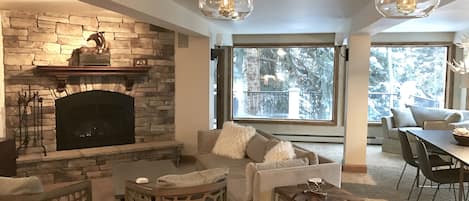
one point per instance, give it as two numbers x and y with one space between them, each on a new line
312 135
325 138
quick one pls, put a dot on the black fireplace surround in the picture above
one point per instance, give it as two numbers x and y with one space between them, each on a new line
93 119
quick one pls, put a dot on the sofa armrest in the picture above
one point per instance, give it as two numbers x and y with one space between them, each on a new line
387 123
266 180
61 193
206 140
461 124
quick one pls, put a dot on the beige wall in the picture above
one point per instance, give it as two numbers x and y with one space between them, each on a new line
192 91
2 88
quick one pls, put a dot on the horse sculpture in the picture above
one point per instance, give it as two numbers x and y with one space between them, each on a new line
98 55
101 45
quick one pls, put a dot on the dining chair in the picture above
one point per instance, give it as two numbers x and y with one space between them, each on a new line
444 176
410 159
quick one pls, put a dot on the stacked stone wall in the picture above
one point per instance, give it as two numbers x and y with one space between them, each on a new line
75 165
36 39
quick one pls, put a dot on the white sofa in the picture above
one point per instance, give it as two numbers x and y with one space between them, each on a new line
419 118
263 181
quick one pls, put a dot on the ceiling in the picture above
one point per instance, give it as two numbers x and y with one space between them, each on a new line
322 16
452 17
59 6
293 16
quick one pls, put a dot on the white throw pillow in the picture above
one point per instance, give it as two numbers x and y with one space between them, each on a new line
281 151
233 140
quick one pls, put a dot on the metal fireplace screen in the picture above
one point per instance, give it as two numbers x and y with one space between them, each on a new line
94 119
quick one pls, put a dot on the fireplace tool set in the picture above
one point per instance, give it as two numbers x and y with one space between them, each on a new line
30 106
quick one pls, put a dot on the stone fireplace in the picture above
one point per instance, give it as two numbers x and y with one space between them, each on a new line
34 39
89 111
93 119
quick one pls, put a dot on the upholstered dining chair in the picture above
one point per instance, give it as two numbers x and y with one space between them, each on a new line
444 176
411 159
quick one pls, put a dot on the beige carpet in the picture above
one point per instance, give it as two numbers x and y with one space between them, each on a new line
383 172
377 185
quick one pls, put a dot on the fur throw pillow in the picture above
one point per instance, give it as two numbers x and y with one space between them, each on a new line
233 140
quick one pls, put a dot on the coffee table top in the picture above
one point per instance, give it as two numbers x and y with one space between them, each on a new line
132 170
333 193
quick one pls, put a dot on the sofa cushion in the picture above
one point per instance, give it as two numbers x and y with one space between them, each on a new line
251 169
195 178
455 117
403 118
311 156
283 150
256 148
233 140
20 186
215 161
422 114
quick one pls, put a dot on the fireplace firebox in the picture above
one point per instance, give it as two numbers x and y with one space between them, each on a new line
93 119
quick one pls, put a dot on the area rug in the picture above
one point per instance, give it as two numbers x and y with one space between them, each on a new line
379 183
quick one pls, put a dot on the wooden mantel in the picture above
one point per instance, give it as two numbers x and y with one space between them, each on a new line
62 73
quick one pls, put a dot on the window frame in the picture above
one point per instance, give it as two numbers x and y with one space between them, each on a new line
332 122
449 80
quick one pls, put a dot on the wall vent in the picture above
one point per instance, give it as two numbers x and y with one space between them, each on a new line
183 40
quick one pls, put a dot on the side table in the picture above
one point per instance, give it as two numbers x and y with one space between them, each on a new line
286 193
8 156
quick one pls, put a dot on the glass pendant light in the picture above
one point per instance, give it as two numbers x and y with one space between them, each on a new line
226 9
406 8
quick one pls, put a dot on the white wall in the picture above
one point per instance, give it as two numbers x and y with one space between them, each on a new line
192 91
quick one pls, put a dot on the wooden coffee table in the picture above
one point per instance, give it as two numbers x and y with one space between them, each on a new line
131 170
286 193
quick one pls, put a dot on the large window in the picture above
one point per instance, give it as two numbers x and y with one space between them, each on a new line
408 75
283 83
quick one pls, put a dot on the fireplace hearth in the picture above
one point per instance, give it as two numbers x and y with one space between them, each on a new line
93 119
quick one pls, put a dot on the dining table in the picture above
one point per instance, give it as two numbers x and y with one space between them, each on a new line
444 140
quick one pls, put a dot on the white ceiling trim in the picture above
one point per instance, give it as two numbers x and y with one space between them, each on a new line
165 13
